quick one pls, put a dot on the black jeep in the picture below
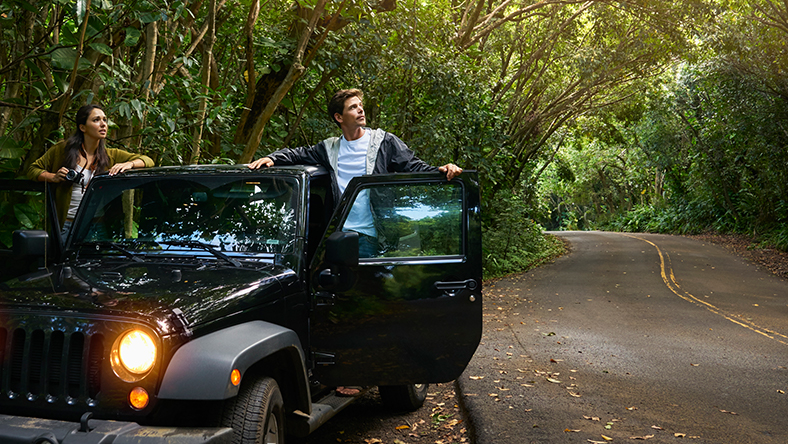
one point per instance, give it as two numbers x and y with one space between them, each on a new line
222 304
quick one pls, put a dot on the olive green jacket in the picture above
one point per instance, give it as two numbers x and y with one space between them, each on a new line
53 159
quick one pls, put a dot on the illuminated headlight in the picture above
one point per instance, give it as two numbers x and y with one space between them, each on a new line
133 355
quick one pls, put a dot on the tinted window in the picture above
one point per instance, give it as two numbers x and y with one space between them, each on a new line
230 213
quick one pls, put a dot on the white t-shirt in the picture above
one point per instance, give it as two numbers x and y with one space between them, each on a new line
352 162
77 192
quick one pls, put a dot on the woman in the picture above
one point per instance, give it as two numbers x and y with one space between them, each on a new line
71 164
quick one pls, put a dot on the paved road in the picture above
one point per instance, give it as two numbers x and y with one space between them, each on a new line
633 337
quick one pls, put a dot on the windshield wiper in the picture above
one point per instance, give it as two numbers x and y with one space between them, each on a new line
114 246
207 247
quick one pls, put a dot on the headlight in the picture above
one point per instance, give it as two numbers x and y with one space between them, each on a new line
137 352
133 355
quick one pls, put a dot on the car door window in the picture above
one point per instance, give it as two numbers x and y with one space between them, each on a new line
20 210
407 220
25 205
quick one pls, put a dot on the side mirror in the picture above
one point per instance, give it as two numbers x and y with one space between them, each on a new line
342 249
30 243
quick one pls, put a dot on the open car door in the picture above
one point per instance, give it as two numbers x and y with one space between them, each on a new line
409 310
26 205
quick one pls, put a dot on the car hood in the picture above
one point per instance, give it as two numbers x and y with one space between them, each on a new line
146 290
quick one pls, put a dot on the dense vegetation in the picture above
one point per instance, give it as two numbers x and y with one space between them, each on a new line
635 115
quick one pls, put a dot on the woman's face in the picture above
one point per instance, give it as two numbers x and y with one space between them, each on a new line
96 125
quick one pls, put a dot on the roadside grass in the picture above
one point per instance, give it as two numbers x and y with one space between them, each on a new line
541 249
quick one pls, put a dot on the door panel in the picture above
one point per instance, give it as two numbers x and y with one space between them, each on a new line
411 311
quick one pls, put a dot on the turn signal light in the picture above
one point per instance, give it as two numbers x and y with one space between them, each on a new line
138 398
235 377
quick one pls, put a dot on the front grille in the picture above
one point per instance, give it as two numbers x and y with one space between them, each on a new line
50 364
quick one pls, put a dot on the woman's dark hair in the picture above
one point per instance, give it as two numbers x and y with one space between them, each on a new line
75 141
337 103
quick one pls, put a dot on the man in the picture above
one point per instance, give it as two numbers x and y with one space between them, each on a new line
359 151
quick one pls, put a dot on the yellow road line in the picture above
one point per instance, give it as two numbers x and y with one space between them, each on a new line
670 281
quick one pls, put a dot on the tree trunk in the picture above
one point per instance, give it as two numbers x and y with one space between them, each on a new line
80 47
251 74
272 87
206 82
295 72
323 81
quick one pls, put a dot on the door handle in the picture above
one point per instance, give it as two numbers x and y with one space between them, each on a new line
455 286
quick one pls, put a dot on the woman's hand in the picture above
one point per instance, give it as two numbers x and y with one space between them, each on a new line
264 162
56 177
120 167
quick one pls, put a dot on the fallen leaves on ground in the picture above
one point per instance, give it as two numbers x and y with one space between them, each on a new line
775 260
642 437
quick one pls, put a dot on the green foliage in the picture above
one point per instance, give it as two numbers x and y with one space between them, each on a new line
560 108
723 151
601 174
19 211
777 237
512 241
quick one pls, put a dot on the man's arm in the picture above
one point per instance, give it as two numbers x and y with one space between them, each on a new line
402 159
305 155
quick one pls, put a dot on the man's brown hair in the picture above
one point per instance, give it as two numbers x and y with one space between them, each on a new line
337 103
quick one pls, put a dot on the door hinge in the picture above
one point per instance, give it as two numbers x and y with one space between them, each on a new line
324 358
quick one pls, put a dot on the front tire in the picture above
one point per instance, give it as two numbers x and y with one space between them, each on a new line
256 415
404 397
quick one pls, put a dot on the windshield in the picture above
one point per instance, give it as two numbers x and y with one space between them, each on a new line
230 214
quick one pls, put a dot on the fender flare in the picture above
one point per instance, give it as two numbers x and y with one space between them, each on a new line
200 369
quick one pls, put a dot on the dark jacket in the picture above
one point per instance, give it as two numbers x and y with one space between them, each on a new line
386 154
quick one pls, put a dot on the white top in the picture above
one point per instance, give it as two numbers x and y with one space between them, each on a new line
352 162
77 190
352 159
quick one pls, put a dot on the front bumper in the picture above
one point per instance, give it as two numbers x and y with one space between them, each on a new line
24 430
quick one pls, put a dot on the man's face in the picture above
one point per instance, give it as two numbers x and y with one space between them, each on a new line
352 115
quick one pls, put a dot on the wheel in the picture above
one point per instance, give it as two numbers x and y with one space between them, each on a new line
404 397
256 415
